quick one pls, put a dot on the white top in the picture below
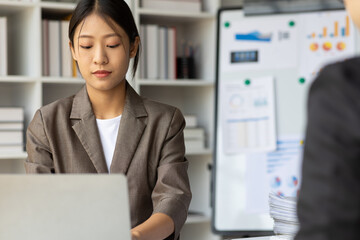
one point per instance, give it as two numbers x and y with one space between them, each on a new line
108 129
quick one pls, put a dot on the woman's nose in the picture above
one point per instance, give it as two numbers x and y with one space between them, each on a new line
100 56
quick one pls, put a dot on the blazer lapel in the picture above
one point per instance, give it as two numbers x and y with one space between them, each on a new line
86 129
132 125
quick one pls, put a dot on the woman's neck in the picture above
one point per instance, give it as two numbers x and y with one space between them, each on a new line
108 104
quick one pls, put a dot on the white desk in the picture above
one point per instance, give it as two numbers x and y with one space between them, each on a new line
255 238
264 238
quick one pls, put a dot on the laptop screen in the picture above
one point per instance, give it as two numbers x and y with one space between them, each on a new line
59 207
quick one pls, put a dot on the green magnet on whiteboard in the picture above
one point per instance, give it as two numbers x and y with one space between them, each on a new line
227 24
247 82
291 23
302 80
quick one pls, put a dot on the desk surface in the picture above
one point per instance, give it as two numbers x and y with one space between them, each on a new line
255 238
265 238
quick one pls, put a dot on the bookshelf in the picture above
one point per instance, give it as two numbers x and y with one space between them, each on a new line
191 96
26 87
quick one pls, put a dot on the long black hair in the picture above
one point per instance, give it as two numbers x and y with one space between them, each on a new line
117 10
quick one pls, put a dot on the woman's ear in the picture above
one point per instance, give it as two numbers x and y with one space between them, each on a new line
134 47
72 51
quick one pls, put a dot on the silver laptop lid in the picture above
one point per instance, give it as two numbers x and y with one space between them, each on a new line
64 207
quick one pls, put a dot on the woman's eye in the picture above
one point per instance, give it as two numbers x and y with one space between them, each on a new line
113 46
85 47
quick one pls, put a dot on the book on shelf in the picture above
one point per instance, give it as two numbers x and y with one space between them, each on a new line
143 55
11 129
54 48
171 53
194 133
11 114
11 148
66 59
57 59
192 145
45 47
162 52
3 47
173 5
159 52
11 126
152 48
11 137
191 121
194 139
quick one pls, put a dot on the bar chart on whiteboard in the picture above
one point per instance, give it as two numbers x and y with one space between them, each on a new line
327 37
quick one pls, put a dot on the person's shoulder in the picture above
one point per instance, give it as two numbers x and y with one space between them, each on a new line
162 113
345 74
348 70
59 107
155 108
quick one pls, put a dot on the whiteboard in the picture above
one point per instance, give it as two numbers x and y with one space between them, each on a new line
289 50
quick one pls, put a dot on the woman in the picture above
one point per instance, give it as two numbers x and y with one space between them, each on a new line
108 128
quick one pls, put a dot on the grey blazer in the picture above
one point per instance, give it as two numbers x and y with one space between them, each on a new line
329 199
63 138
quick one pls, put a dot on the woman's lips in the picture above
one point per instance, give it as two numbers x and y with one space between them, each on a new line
101 73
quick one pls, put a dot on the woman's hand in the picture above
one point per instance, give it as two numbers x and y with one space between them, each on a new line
158 226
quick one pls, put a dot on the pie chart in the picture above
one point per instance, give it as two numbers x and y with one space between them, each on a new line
341 46
314 47
327 46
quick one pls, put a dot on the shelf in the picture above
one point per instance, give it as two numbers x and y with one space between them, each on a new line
194 218
10 7
15 155
204 152
16 79
58 6
176 16
67 80
177 82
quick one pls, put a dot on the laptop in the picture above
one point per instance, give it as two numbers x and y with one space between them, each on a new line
64 207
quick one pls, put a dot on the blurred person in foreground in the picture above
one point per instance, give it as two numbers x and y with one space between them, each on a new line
329 199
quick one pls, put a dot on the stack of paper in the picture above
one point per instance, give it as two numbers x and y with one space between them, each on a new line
283 211
11 129
191 121
194 139
194 135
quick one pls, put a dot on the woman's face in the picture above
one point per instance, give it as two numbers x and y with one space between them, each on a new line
102 54
353 7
